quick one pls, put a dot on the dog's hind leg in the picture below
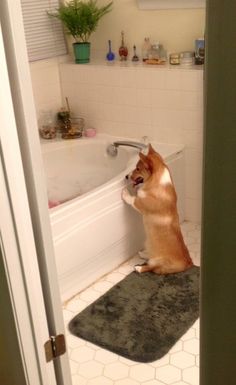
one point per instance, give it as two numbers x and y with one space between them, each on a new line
143 254
143 268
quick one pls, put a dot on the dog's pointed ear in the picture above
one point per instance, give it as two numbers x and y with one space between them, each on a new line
142 157
151 150
146 161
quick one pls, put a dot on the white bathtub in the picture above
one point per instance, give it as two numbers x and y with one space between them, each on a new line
94 231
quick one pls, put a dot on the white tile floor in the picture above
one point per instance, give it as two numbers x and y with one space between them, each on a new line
92 365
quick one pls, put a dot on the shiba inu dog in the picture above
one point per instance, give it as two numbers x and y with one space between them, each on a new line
156 200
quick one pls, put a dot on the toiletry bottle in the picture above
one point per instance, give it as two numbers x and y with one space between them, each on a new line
123 50
110 55
146 49
200 50
187 58
135 56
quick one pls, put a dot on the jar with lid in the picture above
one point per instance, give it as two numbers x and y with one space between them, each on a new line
174 58
187 58
158 52
47 126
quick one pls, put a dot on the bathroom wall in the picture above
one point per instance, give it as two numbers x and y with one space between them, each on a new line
164 103
46 85
176 29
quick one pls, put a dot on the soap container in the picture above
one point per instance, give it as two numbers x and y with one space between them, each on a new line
157 52
90 132
174 58
47 126
187 58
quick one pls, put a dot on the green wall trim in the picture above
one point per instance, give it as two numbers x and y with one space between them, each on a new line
218 271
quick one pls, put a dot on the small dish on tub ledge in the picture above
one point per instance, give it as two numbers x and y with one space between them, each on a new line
90 132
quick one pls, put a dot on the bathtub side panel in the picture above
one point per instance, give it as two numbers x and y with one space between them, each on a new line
96 246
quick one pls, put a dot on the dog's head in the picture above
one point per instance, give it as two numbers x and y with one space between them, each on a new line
145 166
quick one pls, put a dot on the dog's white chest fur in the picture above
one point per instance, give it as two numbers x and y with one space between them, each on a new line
165 177
141 193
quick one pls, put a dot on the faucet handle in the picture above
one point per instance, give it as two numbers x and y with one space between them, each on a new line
145 139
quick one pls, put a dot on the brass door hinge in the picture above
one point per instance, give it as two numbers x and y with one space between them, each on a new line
55 347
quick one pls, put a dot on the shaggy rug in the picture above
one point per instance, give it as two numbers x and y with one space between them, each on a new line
142 316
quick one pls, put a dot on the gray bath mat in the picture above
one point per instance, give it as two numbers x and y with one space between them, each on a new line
142 316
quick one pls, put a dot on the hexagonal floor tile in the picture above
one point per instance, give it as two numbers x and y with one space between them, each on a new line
197 361
180 383
105 356
67 315
126 361
74 342
188 335
126 381
125 269
100 381
168 374
116 371
161 362
182 360
114 277
73 367
76 305
191 346
78 380
90 369
142 372
191 375
177 347
102 286
82 354
153 382
89 295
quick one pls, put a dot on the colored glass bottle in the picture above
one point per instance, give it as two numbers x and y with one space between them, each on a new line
123 50
110 54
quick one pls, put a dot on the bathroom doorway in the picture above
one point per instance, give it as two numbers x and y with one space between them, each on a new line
207 303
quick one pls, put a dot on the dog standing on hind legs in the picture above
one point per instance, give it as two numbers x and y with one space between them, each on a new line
156 200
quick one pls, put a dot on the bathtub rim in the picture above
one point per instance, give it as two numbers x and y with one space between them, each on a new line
114 183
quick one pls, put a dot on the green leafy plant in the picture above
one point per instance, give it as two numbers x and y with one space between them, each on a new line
80 18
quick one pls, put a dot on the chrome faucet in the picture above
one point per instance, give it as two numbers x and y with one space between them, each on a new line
112 148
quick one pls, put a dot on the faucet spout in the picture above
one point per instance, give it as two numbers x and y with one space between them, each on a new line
138 145
112 148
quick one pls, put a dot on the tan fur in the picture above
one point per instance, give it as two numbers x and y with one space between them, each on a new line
157 202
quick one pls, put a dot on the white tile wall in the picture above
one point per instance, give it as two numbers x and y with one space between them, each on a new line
165 103
46 85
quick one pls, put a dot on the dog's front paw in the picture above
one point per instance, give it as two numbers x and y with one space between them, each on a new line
138 268
125 194
127 197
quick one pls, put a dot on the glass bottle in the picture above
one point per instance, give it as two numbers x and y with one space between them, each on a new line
146 48
123 50
135 56
110 55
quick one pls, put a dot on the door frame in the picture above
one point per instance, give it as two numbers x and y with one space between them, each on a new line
24 141
18 246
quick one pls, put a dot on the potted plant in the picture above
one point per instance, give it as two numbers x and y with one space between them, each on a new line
80 19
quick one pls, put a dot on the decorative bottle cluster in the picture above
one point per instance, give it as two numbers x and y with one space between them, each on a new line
155 53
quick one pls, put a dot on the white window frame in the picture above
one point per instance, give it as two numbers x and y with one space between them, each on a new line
44 35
